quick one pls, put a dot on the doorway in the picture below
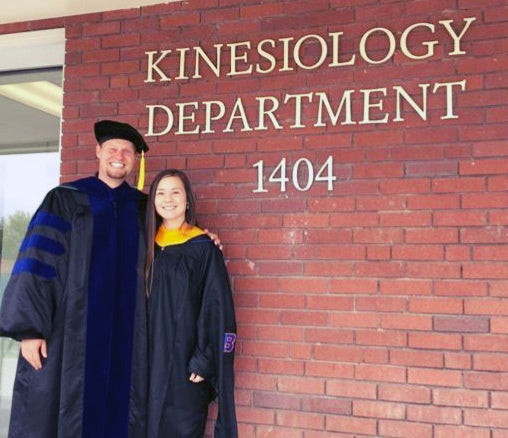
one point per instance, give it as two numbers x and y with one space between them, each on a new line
30 119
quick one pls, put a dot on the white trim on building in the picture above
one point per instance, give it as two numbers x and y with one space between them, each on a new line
29 10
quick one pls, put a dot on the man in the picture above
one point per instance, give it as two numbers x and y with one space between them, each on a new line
75 301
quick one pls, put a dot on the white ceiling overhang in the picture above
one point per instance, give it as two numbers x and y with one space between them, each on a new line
30 10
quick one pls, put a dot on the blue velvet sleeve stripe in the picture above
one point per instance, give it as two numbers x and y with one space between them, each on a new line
34 266
50 220
36 241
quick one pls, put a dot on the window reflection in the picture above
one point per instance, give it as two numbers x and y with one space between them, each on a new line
29 167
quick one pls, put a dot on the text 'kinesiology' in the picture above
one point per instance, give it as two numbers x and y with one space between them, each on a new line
323 108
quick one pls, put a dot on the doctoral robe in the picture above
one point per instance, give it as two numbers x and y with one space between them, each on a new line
192 329
77 283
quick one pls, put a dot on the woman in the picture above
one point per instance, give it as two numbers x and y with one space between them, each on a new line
192 329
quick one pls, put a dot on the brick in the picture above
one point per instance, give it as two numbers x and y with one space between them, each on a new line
378 235
270 431
415 269
406 287
296 385
435 202
486 381
326 405
406 322
483 417
355 319
434 414
103 28
418 252
461 324
435 341
123 40
461 288
288 334
380 373
482 167
404 393
405 219
340 252
390 170
253 11
304 318
436 305
255 415
329 370
496 343
304 420
455 253
381 337
483 236
499 289
404 429
459 218
378 253
484 200
353 286
485 270
500 400
457 360
435 168
493 253
275 401
306 285
335 238
338 352
417 358
435 377
351 424
490 362
281 301
406 186
446 431
377 409
329 302
300 351
381 203
277 268
352 219
460 398
255 381
499 325
383 304
265 349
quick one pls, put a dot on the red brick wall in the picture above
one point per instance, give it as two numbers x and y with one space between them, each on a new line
377 308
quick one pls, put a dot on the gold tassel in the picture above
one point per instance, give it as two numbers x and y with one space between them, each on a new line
141 176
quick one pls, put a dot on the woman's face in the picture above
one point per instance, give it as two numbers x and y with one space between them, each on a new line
170 201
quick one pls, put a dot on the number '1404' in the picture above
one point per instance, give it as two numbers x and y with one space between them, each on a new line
303 175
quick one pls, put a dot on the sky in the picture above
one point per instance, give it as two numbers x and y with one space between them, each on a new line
25 179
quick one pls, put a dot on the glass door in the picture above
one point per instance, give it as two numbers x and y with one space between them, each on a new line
30 118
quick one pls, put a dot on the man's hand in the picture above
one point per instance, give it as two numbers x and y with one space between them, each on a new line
214 237
195 378
32 350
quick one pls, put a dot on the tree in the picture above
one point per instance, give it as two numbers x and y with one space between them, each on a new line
13 232
1 235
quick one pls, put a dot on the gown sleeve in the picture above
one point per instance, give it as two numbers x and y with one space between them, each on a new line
36 283
214 353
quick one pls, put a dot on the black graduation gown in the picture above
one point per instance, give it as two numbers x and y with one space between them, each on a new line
192 328
77 283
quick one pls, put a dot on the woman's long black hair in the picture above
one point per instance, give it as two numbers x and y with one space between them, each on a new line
153 220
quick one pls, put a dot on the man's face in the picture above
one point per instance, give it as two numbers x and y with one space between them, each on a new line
116 160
